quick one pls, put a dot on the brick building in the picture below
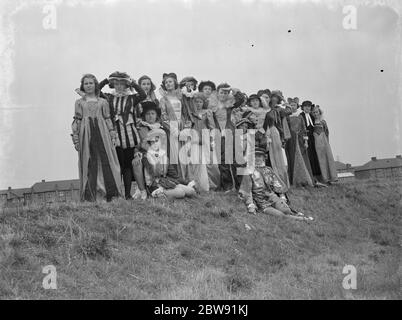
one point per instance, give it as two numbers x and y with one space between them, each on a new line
42 192
390 168
345 171
12 197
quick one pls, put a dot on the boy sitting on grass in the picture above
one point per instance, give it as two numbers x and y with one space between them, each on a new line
160 179
264 190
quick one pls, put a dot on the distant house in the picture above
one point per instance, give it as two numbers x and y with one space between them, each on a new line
53 191
343 167
12 197
390 168
345 171
42 192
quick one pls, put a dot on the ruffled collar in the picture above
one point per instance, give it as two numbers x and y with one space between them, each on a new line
155 125
186 93
296 114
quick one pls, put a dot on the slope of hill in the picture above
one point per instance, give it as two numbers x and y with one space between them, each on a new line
200 248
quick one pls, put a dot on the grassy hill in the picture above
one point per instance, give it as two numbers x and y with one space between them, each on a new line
200 248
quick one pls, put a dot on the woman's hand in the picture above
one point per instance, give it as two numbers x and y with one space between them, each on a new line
305 144
137 159
115 142
77 146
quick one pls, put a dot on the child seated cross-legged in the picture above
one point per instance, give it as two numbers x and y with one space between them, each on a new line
160 178
262 189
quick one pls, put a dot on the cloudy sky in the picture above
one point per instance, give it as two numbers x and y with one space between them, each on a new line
300 48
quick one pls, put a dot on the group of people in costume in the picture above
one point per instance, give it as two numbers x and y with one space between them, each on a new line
128 134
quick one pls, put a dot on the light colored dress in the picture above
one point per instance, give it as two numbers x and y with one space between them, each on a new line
276 154
324 152
99 168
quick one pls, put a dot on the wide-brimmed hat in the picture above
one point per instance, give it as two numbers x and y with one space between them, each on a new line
120 76
277 93
266 91
306 104
148 106
253 96
188 79
208 83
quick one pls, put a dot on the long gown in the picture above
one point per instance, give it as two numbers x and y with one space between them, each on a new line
277 162
298 162
99 168
324 152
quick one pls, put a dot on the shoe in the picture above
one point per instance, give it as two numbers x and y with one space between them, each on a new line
137 194
320 185
144 195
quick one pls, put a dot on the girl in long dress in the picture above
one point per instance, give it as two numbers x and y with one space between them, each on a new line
322 147
95 139
298 163
175 116
274 130
208 88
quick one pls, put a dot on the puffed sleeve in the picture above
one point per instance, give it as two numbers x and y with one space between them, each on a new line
325 128
106 116
75 126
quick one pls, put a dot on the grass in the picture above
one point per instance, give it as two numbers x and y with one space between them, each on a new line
199 248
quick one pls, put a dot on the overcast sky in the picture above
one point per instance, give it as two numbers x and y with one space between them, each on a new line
299 48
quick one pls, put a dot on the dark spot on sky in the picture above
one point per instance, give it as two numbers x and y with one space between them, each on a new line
382 70
289 31
252 45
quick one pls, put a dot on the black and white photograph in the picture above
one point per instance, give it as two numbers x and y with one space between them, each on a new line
200 154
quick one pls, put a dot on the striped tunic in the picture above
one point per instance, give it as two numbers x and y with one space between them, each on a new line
127 132
122 111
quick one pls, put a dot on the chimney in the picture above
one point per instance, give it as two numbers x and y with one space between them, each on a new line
373 158
43 180
399 156
9 188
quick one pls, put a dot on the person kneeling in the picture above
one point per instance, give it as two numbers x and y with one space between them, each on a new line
159 177
262 189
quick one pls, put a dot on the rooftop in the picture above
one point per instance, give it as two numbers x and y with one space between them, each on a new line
46 186
375 163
